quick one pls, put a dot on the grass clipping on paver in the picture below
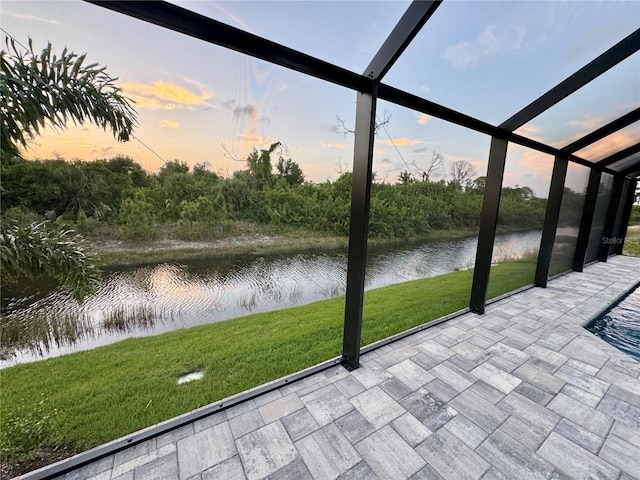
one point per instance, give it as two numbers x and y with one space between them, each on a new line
98 395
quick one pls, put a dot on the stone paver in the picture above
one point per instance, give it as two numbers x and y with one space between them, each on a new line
522 392
265 451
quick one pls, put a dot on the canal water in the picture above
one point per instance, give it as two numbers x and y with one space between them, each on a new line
43 321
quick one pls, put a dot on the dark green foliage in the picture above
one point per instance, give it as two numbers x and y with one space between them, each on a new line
289 171
26 431
520 209
634 219
39 90
138 218
57 187
42 249
260 169
202 204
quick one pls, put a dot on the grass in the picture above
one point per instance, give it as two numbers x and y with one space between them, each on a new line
138 253
632 241
134 253
111 391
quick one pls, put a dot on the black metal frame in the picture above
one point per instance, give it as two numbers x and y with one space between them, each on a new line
610 220
591 197
359 227
628 205
602 132
551 217
621 155
488 224
369 89
609 59
368 84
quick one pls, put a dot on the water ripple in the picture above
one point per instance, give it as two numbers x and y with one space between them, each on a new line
148 300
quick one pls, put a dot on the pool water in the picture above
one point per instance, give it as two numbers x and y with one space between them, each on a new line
620 326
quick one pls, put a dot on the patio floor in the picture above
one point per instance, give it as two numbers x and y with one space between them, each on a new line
522 392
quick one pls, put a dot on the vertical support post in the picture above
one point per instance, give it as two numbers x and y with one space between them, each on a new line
626 214
610 220
488 223
591 197
551 217
358 226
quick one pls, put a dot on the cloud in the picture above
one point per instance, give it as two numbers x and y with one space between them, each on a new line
165 96
424 118
379 151
104 151
493 40
170 124
609 145
385 161
235 19
248 109
330 128
401 142
255 141
339 146
33 18
588 124
602 148
536 160
420 150
529 131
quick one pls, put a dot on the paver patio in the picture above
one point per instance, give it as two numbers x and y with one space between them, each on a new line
522 392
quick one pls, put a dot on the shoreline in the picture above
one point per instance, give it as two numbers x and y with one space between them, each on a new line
119 253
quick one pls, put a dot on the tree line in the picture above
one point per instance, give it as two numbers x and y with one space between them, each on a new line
199 203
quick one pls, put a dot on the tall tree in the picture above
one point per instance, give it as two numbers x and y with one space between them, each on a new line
462 173
290 171
41 89
259 163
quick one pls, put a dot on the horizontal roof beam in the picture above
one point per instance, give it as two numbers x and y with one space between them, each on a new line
408 100
633 170
600 133
623 49
400 37
204 28
621 155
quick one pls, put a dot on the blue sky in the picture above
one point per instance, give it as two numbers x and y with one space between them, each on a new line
197 102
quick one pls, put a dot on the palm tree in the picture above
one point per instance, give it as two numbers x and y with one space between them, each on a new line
45 89
36 90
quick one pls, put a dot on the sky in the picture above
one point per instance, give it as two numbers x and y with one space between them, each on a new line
200 103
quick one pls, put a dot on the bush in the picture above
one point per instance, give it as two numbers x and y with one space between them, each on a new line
137 218
19 216
26 433
635 216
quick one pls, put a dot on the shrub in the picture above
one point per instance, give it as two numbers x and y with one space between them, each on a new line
26 433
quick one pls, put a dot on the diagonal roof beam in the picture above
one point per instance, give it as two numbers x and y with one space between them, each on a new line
599 134
621 155
398 40
635 172
623 49
413 102
204 28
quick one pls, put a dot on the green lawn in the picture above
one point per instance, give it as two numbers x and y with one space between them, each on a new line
102 394
632 242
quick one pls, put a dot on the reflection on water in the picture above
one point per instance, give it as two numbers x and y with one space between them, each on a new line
154 299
